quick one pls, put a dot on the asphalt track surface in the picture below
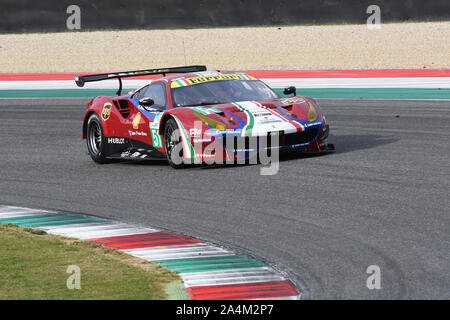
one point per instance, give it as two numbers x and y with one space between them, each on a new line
381 199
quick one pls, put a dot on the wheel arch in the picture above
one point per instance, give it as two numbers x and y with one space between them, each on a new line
163 122
85 120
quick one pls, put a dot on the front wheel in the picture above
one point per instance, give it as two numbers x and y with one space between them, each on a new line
173 144
95 139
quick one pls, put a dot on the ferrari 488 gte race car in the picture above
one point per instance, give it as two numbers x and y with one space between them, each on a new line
199 116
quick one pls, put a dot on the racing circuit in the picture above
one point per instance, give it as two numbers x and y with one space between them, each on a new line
380 199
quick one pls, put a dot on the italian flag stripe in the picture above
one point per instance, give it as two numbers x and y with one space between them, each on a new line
216 110
200 110
187 146
247 130
243 75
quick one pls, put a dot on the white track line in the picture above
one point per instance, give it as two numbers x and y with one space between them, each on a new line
12 212
230 277
114 233
178 252
102 232
19 214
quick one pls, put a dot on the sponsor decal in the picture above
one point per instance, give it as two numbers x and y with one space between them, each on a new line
136 121
202 79
276 133
155 123
116 140
260 118
293 100
106 112
194 132
317 123
261 114
269 121
156 138
202 140
297 125
204 155
137 133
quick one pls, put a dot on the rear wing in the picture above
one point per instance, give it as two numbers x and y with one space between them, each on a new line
81 80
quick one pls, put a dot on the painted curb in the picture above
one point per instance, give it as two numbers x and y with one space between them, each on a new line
209 272
346 84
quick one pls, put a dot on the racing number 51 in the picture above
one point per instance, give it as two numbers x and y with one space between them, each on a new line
156 138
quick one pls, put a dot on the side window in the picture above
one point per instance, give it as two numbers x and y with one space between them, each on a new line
140 93
157 92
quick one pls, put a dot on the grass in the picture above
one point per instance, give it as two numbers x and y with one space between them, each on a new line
33 265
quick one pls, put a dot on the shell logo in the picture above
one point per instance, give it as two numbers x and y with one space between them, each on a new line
106 111
136 121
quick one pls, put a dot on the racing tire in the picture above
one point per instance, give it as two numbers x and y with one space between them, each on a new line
95 139
172 144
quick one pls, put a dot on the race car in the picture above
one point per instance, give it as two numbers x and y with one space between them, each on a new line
191 115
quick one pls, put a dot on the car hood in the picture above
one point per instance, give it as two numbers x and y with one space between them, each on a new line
257 118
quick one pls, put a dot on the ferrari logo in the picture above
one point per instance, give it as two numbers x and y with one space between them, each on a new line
293 100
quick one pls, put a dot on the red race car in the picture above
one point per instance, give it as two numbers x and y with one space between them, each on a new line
199 116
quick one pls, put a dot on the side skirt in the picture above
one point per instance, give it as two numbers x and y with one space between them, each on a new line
129 149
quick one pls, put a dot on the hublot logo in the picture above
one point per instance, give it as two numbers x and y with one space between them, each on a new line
116 140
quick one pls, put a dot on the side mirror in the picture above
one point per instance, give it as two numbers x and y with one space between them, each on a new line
146 102
290 90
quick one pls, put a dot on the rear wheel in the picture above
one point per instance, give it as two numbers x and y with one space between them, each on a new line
173 144
95 139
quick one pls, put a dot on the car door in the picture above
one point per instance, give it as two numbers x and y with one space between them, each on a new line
157 92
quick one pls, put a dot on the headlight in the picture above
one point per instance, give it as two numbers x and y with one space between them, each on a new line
312 112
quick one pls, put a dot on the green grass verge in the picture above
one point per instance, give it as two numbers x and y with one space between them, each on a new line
33 265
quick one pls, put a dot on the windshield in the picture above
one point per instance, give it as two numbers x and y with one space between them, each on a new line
216 92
